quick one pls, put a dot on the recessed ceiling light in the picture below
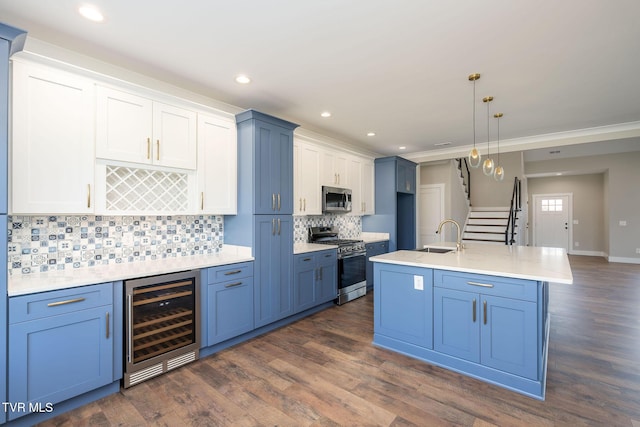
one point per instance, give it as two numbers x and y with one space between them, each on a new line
441 144
371 134
554 152
243 79
91 13
402 147
325 114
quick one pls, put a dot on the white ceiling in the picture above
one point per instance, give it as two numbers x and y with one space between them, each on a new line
397 68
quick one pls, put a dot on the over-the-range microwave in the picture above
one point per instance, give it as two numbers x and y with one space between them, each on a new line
336 200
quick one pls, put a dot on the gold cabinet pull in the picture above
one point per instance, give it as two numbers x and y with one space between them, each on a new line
484 307
69 301
88 195
483 285
474 310
148 148
107 325
305 204
202 200
157 149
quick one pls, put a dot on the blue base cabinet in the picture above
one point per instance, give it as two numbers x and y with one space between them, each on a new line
492 328
373 249
315 279
273 291
227 302
402 304
61 346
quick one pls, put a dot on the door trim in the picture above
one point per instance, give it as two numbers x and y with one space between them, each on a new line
535 198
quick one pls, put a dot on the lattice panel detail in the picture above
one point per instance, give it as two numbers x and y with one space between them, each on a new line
130 189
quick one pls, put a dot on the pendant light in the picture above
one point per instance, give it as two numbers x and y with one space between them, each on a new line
487 166
474 154
498 174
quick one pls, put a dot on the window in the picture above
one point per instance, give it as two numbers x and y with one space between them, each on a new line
551 205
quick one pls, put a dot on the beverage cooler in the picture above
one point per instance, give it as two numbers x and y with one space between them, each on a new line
162 326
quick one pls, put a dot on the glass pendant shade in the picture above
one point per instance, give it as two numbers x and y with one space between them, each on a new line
474 158
474 155
498 174
487 167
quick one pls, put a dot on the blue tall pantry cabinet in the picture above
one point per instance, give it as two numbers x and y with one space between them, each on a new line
395 180
11 41
265 211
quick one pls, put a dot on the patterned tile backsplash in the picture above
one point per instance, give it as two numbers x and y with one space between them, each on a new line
47 243
38 244
349 227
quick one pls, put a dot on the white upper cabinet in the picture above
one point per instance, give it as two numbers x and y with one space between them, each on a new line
306 179
217 165
361 184
133 128
334 166
52 141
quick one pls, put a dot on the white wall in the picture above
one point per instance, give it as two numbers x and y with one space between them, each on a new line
621 197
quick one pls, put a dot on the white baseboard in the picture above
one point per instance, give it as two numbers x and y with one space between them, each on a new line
624 260
588 253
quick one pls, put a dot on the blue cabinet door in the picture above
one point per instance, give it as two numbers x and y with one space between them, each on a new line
373 249
497 332
229 309
327 286
274 169
403 303
305 274
509 336
273 279
55 358
456 323
406 176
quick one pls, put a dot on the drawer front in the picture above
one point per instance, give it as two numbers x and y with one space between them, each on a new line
305 261
485 284
45 304
327 257
224 273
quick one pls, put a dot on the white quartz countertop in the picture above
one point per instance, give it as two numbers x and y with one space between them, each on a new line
520 262
61 279
303 248
370 237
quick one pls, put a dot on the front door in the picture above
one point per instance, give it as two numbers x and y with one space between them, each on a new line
551 220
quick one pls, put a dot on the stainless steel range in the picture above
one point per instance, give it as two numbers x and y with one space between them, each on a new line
352 262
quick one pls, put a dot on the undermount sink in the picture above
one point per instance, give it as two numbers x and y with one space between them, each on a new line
436 250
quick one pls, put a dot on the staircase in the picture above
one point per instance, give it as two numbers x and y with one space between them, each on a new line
486 225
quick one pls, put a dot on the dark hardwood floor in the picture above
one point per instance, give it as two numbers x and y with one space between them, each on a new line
323 370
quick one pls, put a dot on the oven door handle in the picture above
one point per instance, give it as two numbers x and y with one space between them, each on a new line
354 255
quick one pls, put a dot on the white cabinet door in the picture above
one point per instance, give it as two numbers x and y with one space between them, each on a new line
133 128
367 187
174 136
52 141
355 182
334 169
217 165
361 184
307 187
123 126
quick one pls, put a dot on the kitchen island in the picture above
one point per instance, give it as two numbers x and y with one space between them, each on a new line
482 311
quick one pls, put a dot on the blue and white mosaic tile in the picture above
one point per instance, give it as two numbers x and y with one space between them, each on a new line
349 227
38 244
